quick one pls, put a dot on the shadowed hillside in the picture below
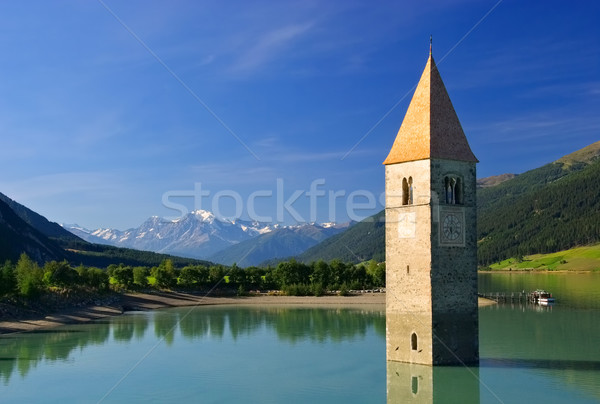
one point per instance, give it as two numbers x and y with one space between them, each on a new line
362 242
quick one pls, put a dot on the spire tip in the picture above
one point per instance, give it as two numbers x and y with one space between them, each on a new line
430 43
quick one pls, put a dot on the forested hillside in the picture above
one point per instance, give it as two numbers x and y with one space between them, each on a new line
552 208
362 242
100 255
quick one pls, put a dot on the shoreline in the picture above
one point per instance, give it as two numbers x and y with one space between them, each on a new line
161 300
537 271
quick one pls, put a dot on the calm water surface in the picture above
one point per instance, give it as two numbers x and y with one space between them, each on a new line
312 355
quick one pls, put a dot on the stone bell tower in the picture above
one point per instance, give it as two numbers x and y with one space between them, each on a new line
431 233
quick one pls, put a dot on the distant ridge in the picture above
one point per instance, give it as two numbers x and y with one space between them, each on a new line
494 180
586 155
279 243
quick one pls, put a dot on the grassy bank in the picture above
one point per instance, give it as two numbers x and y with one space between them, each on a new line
575 259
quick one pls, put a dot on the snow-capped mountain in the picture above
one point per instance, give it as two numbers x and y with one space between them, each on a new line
283 242
198 234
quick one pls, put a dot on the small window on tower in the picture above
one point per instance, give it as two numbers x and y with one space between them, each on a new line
410 191
404 191
415 385
413 341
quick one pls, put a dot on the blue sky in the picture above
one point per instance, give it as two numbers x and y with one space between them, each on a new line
109 108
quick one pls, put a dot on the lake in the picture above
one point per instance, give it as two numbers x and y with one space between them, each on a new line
225 354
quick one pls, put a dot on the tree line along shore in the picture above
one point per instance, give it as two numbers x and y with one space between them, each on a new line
32 291
27 284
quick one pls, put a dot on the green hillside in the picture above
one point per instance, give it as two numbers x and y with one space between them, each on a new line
362 242
552 208
575 259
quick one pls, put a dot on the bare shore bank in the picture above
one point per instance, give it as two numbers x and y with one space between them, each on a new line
160 300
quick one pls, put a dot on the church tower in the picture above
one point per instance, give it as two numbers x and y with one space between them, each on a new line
431 233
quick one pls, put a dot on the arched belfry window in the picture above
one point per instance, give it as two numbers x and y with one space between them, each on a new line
404 191
458 191
453 189
413 341
410 191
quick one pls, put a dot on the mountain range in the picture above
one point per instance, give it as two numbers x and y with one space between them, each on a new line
279 243
546 209
197 234
200 234
25 231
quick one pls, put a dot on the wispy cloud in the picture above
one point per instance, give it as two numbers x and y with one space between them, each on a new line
269 46
276 152
548 126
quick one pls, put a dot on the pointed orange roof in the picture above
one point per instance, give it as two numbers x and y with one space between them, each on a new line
430 128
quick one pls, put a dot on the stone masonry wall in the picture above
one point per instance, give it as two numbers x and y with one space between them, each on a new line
431 289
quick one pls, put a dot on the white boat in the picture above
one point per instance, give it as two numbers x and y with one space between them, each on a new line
541 297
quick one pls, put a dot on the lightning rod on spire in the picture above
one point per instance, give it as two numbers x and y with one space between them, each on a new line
430 43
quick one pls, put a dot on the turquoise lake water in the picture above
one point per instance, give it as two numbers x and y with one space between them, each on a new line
232 354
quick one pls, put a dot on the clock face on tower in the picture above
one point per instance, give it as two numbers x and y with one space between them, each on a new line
452 228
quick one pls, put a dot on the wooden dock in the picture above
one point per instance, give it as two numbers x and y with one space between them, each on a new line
506 297
511 297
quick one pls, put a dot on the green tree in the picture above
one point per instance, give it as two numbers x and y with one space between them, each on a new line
165 274
358 277
8 280
60 274
97 278
193 276
339 274
29 277
378 275
216 274
92 277
140 276
123 275
321 273
292 272
237 276
255 277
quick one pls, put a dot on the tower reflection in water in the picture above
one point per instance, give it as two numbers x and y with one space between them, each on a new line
409 383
